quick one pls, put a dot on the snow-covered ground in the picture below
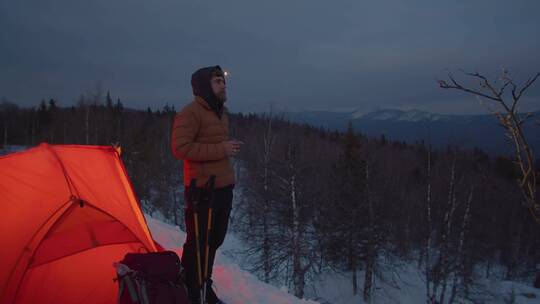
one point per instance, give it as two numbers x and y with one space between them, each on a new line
403 284
406 284
11 148
232 284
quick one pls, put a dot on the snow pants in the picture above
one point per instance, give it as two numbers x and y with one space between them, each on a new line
221 209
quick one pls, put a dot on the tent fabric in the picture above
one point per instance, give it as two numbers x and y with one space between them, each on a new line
67 213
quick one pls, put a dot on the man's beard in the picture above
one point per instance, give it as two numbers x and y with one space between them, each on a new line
221 96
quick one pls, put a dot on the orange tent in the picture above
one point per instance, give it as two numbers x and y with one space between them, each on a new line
67 212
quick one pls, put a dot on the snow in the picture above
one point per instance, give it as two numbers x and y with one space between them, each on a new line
11 149
387 114
403 283
232 284
399 115
415 115
508 291
357 114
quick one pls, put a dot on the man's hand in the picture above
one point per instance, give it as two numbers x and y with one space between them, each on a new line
232 147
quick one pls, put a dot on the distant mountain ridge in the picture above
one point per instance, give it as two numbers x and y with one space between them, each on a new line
468 131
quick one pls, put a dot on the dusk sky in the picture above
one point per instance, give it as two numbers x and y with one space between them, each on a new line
297 55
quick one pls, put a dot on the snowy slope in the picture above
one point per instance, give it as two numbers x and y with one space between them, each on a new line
403 284
232 284
11 149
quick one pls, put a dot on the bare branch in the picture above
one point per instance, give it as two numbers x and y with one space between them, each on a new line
501 91
443 84
484 83
530 81
513 123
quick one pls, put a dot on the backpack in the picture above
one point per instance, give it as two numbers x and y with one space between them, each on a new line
148 278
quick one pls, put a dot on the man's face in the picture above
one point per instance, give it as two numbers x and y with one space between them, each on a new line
218 87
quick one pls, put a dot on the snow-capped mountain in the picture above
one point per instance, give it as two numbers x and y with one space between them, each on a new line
398 115
467 131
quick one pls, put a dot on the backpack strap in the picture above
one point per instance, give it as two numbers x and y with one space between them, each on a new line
126 280
143 294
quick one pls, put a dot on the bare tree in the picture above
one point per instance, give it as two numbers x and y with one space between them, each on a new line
461 244
262 198
429 226
371 254
6 111
443 265
297 229
268 139
512 121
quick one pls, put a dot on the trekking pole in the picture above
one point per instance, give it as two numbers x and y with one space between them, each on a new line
194 200
210 185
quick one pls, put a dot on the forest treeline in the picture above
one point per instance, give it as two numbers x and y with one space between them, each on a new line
314 200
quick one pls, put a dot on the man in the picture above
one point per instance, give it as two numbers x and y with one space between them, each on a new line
200 138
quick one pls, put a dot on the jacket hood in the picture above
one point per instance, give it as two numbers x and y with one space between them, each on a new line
200 82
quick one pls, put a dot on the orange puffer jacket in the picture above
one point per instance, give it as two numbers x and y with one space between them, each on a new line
197 138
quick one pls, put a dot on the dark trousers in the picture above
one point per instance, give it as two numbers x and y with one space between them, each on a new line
221 209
